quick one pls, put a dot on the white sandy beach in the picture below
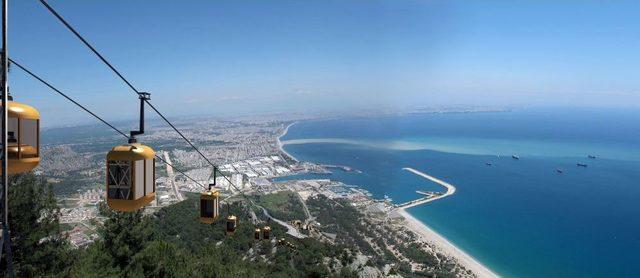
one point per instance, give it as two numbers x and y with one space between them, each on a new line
445 246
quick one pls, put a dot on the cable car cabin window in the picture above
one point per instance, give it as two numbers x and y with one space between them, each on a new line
23 138
206 208
28 138
150 180
139 179
13 138
119 180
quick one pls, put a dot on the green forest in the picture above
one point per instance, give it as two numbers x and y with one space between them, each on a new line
169 243
173 243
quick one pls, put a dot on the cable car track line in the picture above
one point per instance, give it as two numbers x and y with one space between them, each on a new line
180 133
65 96
88 45
174 168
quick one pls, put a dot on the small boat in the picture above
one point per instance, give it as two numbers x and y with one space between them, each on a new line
487 163
592 156
581 165
515 156
559 171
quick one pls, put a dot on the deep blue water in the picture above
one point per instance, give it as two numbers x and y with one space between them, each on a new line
519 217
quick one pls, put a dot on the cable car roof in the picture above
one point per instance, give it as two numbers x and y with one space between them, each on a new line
22 111
211 193
131 152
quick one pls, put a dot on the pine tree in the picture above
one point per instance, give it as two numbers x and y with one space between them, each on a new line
162 259
119 251
39 248
125 234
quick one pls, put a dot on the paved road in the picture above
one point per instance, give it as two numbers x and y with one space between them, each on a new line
290 229
172 177
306 209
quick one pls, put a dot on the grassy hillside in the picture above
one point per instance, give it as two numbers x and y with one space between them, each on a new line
284 205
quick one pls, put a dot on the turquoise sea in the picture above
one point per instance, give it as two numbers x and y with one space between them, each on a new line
521 218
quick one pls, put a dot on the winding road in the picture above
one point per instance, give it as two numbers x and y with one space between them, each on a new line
290 229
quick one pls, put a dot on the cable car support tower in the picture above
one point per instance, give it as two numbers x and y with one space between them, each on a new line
5 239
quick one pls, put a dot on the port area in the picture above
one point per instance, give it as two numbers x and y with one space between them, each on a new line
429 196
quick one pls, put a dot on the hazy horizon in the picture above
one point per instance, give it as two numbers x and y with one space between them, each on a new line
241 57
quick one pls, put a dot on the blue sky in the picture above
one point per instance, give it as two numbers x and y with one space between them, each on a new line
240 57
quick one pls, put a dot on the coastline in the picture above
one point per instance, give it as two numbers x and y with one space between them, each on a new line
445 246
425 232
280 145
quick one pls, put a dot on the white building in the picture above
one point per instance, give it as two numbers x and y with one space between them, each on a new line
238 180
222 182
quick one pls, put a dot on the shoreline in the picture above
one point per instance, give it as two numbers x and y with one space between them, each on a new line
281 146
445 246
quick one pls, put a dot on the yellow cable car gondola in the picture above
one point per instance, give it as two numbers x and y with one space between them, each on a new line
209 206
210 202
131 182
130 177
231 224
266 231
23 137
